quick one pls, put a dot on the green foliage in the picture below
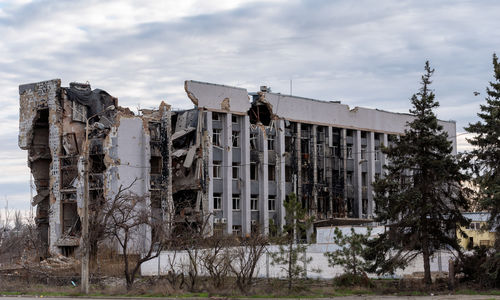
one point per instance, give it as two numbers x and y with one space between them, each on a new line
291 255
353 280
486 153
420 196
492 268
480 266
349 256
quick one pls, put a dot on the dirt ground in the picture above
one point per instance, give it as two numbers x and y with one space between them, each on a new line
450 297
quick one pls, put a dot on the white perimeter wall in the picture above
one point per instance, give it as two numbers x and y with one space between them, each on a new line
161 265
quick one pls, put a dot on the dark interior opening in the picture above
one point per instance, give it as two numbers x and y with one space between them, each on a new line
260 114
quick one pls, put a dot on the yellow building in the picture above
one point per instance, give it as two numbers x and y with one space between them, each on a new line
478 233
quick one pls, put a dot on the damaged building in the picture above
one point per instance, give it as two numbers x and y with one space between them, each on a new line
233 158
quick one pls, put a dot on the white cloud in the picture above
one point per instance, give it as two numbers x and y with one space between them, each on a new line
361 53
462 144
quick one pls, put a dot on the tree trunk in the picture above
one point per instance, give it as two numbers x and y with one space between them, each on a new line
451 275
93 252
426 257
130 282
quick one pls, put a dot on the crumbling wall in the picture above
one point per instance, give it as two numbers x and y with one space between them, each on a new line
187 167
217 97
39 133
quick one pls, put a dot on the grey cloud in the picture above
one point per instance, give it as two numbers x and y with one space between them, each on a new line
364 53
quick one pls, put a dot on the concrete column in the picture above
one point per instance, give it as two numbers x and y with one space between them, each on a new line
245 175
383 157
210 162
314 152
263 183
357 173
371 170
330 136
344 164
299 162
166 195
331 163
55 133
280 162
227 163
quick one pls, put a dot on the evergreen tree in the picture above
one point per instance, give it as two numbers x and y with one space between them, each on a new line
291 255
349 256
486 154
420 196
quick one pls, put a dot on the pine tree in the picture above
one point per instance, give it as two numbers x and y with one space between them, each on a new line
486 154
420 196
291 255
349 254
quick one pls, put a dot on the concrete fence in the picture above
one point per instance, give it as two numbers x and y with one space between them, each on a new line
179 262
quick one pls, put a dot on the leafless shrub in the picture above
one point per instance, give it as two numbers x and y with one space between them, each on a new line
216 258
245 258
19 239
191 240
173 277
128 220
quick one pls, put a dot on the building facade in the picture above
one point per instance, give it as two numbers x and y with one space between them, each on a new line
229 162
478 232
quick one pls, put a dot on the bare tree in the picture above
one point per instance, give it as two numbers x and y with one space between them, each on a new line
19 239
245 259
174 278
193 239
127 219
216 258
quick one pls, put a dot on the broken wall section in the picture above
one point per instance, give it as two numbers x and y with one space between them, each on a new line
39 133
52 128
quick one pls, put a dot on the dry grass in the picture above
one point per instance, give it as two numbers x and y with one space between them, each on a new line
107 280
272 288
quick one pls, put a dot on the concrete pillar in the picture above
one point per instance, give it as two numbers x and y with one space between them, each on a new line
358 198
210 162
344 164
245 175
383 157
314 152
263 183
227 164
166 194
299 162
371 170
331 165
280 164
55 133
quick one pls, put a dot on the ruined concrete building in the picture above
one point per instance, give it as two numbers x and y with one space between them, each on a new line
234 157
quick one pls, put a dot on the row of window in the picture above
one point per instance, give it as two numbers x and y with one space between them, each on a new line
217 133
235 139
254 172
363 152
270 142
218 117
475 226
254 202
271 173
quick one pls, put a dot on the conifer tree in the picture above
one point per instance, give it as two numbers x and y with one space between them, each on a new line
291 255
349 254
486 153
420 196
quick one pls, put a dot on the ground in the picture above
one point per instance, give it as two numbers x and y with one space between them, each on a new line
448 297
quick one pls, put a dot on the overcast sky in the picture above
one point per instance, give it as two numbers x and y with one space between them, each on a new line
363 53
